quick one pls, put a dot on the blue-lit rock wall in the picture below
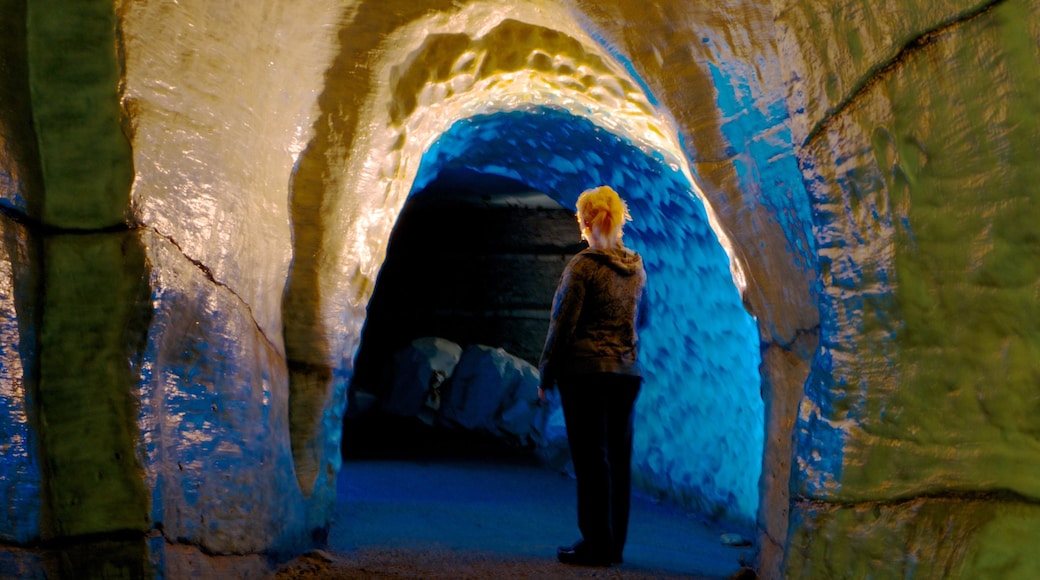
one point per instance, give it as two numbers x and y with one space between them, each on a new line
699 428
218 460
146 244
197 198
21 482
20 475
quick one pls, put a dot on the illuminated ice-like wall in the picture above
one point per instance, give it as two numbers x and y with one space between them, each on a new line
699 428
197 197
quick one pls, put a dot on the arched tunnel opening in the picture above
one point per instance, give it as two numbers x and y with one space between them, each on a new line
474 259
204 321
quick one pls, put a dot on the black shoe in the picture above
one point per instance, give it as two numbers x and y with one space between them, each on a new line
581 555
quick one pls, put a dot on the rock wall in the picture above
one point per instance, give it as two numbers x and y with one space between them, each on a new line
196 199
914 433
146 245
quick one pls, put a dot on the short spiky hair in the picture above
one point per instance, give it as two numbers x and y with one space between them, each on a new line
603 211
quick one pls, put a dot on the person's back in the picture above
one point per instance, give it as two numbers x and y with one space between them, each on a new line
591 355
605 338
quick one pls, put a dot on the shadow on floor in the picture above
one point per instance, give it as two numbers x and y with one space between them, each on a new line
425 503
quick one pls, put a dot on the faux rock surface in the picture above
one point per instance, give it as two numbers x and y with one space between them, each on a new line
21 486
930 257
926 228
858 173
96 290
19 161
74 73
216 133
920 538
214 418
486 381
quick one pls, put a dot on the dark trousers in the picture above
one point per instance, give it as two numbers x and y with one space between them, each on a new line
598 410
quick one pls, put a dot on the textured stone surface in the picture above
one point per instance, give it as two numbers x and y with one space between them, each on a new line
926 383
723 84
920 538
211 152
21 485
486 381
19 166
126 557
427 98
95 312
214 418
220 99
275 144
929 244
21 489
216 136
833 50
789 368
74 75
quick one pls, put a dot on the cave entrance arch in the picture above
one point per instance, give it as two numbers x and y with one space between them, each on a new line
700 417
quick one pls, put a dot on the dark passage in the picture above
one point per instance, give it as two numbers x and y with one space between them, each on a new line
473 259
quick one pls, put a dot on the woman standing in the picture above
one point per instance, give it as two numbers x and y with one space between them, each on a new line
590 354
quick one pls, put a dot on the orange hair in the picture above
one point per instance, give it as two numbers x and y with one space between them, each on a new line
602 211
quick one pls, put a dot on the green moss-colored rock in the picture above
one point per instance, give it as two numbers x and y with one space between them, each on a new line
925 538
836 48
934 284
96 305
74 76
927 224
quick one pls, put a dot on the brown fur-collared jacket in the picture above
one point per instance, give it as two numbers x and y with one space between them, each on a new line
595 313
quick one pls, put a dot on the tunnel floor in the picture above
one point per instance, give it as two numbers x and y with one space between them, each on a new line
441 507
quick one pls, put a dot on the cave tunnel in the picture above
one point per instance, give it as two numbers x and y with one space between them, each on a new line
837 203
449 267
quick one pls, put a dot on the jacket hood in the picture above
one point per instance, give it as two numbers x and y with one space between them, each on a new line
624 261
